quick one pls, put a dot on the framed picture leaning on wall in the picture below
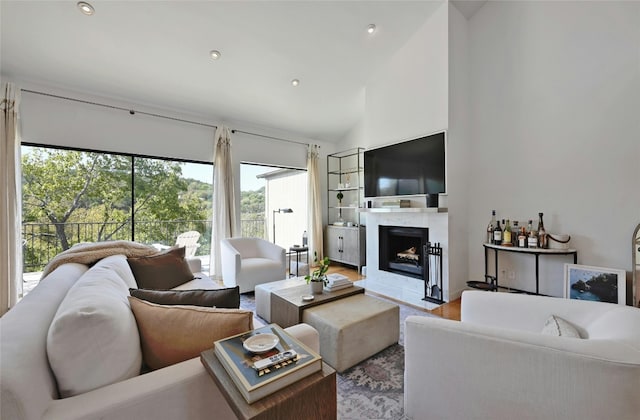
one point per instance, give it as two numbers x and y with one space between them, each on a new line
597 284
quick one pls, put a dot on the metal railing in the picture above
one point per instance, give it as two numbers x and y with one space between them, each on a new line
42 241
253 228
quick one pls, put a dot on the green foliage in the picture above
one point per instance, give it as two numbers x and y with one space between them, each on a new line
319 274
252 202
73 190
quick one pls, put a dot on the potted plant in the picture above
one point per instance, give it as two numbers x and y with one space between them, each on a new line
318 278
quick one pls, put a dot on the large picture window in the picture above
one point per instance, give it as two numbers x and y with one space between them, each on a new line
73 196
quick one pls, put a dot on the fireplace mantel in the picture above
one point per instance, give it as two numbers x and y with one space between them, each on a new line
405 210
396 286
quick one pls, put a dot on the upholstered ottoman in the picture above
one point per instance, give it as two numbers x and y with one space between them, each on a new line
263 294
354 328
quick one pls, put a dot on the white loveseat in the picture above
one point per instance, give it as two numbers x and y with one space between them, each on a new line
247 262
495 363
28 386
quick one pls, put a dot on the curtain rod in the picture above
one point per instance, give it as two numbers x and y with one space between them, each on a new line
269 137
133 112
130 111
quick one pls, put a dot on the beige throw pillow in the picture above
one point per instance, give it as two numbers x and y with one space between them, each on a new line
172 334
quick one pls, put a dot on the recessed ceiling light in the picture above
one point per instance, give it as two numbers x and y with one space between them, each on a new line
371 29
295 82
86 8
215 54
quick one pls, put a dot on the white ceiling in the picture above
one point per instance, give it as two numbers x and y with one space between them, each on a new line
157 53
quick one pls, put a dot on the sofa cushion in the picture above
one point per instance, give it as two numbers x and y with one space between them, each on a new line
200 281
172 334
93 339
162 271
221 298
559 327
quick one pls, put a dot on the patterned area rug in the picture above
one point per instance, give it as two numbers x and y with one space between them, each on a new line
374 388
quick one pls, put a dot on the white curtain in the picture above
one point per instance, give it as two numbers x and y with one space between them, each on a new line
224 202
10 205
314 198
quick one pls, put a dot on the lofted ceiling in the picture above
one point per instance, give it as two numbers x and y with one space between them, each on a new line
157 53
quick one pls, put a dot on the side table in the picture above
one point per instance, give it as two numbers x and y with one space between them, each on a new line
491 282
297 250
312 397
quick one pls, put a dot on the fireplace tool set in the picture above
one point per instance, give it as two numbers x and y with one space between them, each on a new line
433 272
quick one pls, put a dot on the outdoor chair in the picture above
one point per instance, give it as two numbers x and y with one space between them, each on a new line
188 240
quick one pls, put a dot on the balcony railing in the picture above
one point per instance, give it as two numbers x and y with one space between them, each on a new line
43 241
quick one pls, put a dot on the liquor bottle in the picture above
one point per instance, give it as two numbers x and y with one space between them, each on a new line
497 234
532 236
506 235
522 238
305 239
490 227
542 233
515 231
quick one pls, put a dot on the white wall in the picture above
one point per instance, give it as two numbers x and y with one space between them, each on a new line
408 98
287 191
458 157
555 106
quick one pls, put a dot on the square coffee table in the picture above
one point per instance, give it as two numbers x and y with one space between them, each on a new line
287 304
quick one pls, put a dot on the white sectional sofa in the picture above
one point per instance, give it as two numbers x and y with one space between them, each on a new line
29 388
497 364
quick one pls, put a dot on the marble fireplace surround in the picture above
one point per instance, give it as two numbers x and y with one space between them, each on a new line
396 286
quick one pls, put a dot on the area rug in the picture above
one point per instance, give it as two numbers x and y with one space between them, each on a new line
374 388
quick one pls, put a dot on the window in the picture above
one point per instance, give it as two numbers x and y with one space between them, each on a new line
72 196
266 192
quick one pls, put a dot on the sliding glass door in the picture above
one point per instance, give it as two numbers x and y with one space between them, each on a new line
273 203
74 196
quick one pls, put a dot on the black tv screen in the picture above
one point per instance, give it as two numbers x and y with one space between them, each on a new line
408 168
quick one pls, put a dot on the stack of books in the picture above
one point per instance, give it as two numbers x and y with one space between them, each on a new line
249 371
337 281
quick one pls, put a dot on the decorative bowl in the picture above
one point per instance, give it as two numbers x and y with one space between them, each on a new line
261 343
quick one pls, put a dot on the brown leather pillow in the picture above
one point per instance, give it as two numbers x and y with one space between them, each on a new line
162 271
220 298
172 334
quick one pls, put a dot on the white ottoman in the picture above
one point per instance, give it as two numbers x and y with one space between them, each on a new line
263 294
354 328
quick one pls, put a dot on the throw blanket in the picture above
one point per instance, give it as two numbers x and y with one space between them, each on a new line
92 252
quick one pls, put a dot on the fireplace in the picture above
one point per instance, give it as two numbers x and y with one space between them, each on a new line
401 248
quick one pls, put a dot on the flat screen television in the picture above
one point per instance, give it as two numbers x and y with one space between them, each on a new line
408 168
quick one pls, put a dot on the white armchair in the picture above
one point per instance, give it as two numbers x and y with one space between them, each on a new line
496 364
247 262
